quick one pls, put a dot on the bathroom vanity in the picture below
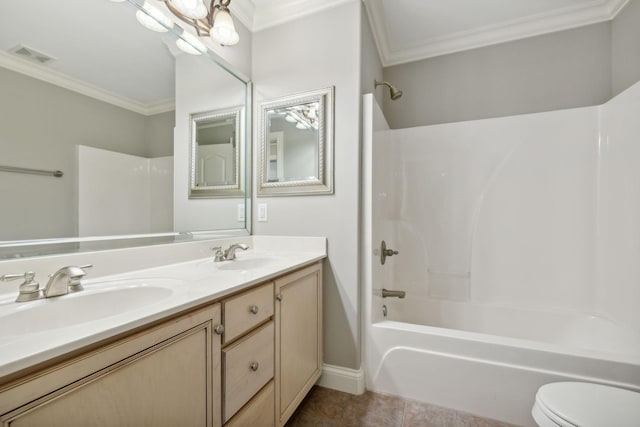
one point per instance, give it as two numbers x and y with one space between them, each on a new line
245 355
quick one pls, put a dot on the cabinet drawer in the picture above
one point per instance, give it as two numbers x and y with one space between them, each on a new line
248 366
247 310
258 412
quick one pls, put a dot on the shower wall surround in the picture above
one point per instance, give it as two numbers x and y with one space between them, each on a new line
617 290
537 210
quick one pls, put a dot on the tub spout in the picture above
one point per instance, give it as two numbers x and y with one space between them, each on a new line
398 294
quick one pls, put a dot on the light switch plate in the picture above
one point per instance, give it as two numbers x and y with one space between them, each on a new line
262 212
241 212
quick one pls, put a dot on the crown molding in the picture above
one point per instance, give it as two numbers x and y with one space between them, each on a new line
57 78
533 25
244 10
270 13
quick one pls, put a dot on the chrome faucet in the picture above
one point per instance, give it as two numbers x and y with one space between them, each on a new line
65 280
230 254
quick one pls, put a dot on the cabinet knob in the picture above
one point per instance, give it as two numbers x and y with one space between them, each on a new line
279 297
219 329
254 366
253 309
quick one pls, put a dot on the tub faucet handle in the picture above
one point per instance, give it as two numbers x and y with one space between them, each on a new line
384 252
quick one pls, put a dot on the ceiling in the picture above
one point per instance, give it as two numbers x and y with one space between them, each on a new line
411 30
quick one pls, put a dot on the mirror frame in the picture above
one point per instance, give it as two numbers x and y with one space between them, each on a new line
324 182
217 191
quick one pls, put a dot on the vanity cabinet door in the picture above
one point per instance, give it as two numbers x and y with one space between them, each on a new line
170 383
298 317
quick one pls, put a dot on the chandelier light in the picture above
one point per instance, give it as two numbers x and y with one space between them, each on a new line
152 18
214 21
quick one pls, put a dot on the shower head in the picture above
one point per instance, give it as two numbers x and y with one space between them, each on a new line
393 92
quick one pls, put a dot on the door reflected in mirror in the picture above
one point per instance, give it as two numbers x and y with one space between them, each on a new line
297 145
215 154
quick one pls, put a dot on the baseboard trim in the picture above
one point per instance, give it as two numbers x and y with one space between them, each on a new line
342 379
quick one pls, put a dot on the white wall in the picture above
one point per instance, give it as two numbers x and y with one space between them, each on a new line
201 85
499 210
379 158
123 194
161 193
298 56
618 290
540 210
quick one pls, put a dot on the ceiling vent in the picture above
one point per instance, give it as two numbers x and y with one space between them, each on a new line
31 54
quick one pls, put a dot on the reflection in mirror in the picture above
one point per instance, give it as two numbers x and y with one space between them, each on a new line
296 144
110 109
215 158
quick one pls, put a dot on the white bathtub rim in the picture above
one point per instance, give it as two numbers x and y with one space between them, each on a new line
509 342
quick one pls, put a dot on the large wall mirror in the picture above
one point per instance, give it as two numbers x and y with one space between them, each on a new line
88 91
296 145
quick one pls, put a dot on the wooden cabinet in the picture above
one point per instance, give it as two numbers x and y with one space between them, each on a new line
166 376
183 372
298 318
258 412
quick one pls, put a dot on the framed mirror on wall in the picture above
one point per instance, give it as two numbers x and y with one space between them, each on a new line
115 122
217 161
296 144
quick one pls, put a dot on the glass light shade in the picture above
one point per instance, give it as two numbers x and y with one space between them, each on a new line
194 9
223 31
301 126
190 44
151 17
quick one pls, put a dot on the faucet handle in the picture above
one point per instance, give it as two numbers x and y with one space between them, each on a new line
29 289
219 255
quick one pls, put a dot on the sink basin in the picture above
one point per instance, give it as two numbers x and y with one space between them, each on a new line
97 302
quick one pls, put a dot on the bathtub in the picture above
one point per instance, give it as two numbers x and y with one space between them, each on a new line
520 286
495 359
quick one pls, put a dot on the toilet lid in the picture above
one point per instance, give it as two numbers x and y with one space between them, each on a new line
589 405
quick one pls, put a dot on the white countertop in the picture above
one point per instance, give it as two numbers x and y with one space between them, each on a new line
190 284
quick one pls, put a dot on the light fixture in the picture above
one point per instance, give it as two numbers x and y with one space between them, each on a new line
190 44
215 21
151 17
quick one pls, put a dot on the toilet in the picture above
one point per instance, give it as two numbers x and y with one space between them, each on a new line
575 404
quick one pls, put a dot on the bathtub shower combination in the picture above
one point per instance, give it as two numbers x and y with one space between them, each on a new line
519 249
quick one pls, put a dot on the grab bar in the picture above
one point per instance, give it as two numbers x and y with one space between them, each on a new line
396 294
15 169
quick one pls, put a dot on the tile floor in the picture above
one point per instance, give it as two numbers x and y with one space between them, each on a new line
329 408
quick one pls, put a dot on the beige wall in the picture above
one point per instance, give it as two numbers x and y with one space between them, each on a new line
303 55
41 124
625 49
550 72
371 66
574 68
